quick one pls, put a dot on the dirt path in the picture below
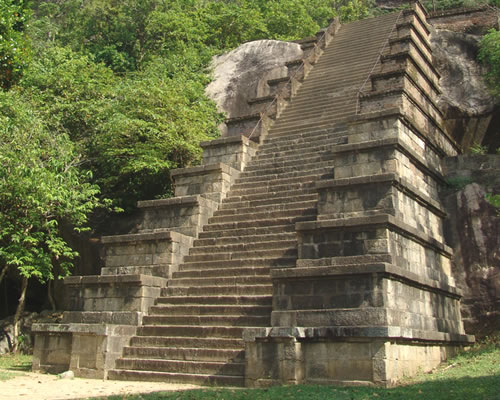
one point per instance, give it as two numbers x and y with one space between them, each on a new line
33 386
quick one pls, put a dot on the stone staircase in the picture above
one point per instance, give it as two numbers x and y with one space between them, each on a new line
194 332
307 247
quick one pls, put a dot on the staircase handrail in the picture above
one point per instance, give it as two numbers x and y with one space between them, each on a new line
358 95
276 97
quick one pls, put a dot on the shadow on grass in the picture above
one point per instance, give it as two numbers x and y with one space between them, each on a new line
478 388
16 362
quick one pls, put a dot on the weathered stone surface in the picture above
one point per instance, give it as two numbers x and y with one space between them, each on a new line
473 230
241 74
466 101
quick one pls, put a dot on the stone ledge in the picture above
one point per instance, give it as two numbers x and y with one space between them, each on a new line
403 183
402 91
416 45
278 80
398 144
396 112
202 169
143 280
91 329
407 54
344 260
413 81
230 140
174 201
422 38
366 332
385 269
103 317
248 117
142 237
382 219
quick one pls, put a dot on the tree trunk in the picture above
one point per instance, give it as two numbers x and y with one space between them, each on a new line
3 273
19 313
50 296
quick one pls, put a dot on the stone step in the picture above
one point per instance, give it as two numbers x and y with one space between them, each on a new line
287 144
234 332
295 156
322 171
178 366
254 231
283 262
185 354
169 341
238 255
331 102
302 137
304 168
194 379
253 301
242 245
345 74
286 151
270 165
297 123
293 205
216 241
202 309
220 281
270 198
256 224
264 215
245 290
308 127
271 184
207 320
211 273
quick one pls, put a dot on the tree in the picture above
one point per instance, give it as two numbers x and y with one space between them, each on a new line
41 185
489 54
14 46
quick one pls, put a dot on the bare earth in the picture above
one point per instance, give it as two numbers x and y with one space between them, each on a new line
33 386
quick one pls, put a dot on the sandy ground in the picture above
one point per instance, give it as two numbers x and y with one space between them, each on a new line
33 386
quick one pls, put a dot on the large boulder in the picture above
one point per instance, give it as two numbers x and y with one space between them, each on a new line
466 101
242 74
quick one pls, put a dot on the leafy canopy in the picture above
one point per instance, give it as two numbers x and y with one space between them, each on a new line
41 184
14 46
489 53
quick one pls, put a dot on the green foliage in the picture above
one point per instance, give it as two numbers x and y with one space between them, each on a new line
489 53
14 46
354 10
447 4
41 184
494 200
155 124
478 148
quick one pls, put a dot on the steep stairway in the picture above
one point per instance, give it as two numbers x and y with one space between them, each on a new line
194 332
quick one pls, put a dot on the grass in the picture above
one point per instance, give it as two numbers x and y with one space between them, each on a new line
12 365
473 375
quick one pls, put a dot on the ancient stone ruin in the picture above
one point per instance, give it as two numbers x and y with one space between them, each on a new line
307 247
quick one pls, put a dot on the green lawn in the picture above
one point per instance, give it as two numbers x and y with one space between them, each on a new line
13 365
473 375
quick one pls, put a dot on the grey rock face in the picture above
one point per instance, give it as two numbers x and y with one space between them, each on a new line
473 232
466 101
241 74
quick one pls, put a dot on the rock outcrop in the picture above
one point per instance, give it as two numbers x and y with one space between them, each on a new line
242 74
467 104
473 231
